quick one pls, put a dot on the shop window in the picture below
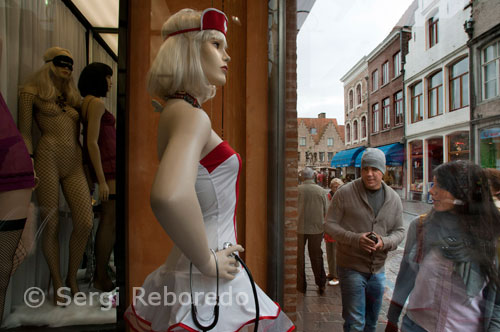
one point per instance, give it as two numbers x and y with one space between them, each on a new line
330 156
416 166
490 62
435 93
396 60
351 99
434 155
363 127
458 147
330 141
398 107
355 130
432 27
302 141
459 84
489 147
375 118
394 176
358 94
375 80
385 73
322 156
416 103
386 113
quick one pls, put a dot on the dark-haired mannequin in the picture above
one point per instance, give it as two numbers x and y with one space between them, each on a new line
100 148
50 96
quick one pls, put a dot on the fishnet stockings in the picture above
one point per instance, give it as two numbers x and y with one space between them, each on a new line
105 240
9 241
58 160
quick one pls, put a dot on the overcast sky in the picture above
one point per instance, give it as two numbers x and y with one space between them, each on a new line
334 37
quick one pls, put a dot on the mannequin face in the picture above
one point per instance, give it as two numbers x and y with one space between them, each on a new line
62 72
108 80
214 60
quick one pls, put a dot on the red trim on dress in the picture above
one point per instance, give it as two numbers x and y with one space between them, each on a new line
217 156
188 328
237 193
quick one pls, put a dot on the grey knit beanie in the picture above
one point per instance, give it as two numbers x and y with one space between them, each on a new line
373 157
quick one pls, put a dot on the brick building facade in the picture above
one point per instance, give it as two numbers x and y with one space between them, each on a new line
319 139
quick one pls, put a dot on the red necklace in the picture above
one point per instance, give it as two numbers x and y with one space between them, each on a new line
187 97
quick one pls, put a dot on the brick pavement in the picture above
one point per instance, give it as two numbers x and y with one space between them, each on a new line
317 313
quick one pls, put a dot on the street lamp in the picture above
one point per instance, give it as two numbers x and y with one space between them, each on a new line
469 26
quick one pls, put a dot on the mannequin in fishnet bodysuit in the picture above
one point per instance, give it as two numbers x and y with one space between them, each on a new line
50 96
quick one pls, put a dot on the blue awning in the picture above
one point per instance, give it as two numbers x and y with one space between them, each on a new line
346 157
394 155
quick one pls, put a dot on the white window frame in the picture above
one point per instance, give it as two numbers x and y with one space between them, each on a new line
385 73
396 59
495 60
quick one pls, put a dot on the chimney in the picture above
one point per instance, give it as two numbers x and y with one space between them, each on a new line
322 115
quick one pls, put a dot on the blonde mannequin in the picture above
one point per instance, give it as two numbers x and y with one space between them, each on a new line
51 97
195 188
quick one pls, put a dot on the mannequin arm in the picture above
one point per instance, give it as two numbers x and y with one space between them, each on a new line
173 195
25 115
95 111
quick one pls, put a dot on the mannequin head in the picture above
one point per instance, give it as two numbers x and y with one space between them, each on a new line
178 65
95 80
55 76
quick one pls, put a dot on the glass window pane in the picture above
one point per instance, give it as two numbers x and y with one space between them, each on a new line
490 53
490 71
490 89
432 102
455 94
440 99
460 68
465 90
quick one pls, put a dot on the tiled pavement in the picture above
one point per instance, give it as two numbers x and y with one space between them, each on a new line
317 313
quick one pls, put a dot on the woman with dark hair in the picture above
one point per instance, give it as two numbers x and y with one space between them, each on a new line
99 135
449 271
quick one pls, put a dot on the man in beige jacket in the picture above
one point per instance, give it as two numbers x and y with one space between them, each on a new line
366 220
312 211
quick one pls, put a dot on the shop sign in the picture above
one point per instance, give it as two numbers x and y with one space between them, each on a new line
490 133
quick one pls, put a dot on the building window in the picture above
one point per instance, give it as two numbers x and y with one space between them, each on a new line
436 94
416 167
435 155
348 133
322 156
396 59
398 107
330 156
330 141
491 64
299 156
355 130
313 131
375 118
375 80
302 141
432 25
363 127
351 99
386 113
459 84
358 94
489 147
416 103
385 73
458 146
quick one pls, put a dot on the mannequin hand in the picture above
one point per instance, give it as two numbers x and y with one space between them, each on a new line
366 244
228 265
103 191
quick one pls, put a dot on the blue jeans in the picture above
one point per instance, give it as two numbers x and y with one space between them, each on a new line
362 295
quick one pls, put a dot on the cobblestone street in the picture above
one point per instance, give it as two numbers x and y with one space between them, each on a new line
324 313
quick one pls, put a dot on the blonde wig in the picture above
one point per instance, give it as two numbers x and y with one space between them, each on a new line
177 66
42 79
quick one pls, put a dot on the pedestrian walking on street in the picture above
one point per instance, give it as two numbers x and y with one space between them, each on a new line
366 220
331 246
312 211
449 271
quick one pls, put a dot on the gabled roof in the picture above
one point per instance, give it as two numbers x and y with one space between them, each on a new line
321 124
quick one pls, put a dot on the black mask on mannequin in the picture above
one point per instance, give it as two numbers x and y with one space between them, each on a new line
63 61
